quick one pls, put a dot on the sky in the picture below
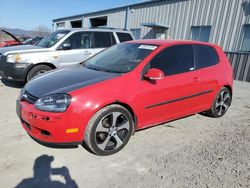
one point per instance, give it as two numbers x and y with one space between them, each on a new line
29 14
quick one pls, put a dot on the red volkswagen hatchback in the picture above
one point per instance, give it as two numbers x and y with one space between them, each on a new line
127 87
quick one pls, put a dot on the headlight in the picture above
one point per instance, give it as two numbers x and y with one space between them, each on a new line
53 103
21 94
14 58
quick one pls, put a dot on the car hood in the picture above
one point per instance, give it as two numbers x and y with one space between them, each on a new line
20 49
65 80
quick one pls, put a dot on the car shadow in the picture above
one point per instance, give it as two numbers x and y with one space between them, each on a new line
42 175
165 124
14 84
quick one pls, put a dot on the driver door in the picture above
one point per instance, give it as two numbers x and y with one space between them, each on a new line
178 93
75 49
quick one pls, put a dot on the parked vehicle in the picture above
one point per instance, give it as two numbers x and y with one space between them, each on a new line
32 41
15 40
130 86
23 38
59 49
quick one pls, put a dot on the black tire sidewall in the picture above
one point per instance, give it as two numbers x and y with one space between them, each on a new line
213 109
32 72
92 138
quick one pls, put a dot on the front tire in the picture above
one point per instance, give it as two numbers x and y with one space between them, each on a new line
221 103
35 71
109 130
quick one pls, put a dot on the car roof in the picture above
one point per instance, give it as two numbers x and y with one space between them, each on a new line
97 29
163 42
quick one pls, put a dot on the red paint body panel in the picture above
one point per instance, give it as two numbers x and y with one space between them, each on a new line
197 89
9 43
56 125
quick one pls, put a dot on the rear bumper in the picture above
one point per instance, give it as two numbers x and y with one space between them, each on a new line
14 71
50 129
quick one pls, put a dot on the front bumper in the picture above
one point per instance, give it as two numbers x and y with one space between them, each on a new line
50 129
14 71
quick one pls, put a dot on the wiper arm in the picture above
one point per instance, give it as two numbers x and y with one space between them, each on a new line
93 68
100 69
113 71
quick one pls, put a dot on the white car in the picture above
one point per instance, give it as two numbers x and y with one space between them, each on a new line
59 49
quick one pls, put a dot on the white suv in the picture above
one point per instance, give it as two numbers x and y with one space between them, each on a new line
61 48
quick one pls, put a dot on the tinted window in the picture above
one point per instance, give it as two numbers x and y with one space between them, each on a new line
124 37
80 40
205 56
103 39
174 60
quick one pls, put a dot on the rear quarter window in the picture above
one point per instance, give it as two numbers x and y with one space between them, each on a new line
103 39
205 56
123 37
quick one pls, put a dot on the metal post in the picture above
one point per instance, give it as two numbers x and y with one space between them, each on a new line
126 18
83 22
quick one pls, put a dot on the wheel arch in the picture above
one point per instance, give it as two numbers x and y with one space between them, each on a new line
34 65
130 109
229 88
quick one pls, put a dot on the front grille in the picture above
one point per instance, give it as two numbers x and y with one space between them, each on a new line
2 58
29 98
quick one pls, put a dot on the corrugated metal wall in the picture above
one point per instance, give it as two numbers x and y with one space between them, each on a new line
241 65
115 18
226 17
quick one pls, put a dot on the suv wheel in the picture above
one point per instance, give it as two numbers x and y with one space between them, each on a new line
109 130
38 69
221 104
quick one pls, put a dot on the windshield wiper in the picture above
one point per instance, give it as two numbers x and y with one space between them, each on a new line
101 69
113 71
93 68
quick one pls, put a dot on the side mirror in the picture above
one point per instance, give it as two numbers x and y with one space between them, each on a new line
154 74
66 46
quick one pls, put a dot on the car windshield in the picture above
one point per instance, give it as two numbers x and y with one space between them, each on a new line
121 58
28 41
52 39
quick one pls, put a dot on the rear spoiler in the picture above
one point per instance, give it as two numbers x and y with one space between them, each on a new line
16 39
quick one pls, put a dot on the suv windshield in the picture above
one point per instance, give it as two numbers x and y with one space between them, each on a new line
120 58
52 39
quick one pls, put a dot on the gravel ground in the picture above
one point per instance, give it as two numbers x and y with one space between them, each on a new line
196 151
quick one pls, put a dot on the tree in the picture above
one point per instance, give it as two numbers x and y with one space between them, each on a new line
41 31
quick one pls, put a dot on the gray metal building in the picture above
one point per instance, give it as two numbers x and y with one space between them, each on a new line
223 22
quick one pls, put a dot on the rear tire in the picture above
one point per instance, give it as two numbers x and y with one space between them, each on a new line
221 103
35 71
109 130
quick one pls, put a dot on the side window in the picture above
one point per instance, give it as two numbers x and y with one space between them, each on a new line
174 60
103 39
205 56
79 40
123 37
